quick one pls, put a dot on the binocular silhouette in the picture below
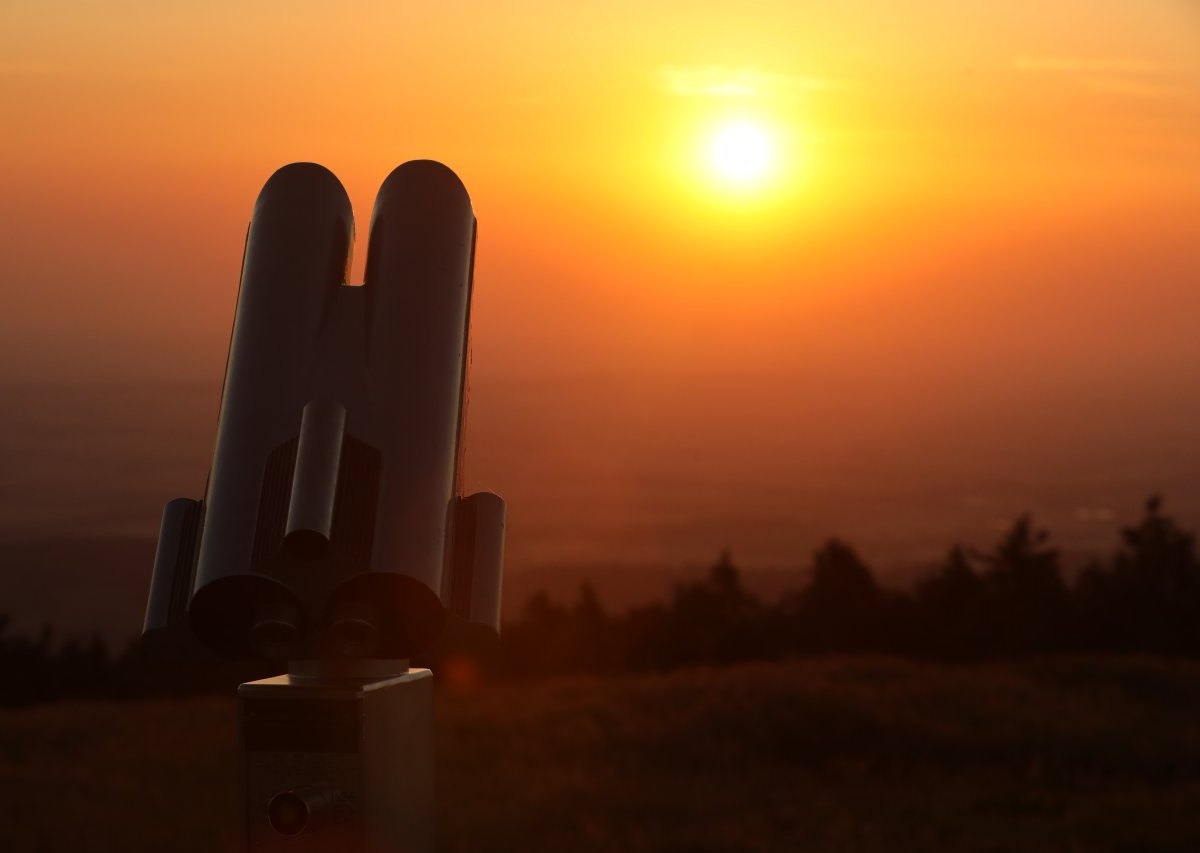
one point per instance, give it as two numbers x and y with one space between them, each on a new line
333 523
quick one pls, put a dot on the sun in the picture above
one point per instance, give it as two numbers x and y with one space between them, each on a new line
740 153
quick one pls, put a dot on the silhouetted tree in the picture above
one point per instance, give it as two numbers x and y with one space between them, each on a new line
592 635
1028 606
1152 601
551 638
842 609
713 620
949 611
1100 626
536 643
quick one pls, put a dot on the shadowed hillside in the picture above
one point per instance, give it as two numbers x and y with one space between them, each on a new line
865 755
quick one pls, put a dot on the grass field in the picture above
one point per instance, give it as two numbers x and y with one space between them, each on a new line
847 755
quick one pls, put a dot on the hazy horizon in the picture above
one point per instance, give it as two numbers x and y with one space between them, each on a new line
640 486
962 286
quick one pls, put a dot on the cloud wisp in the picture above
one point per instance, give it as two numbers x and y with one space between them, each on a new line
718 81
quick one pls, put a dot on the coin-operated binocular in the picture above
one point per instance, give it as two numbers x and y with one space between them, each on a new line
333 534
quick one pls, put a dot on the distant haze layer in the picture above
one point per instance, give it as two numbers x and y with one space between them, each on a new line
668 472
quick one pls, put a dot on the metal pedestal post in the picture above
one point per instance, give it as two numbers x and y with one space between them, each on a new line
338 760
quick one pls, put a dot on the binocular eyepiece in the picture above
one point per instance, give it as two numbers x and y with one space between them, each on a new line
333 523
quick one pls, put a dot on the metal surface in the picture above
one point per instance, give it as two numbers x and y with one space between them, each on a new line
333 523
339 764
476 583
314 483
165 628
333 532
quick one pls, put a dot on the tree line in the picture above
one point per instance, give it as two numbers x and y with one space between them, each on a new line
1009 600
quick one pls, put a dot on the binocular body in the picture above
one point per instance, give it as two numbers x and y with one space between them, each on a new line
333 524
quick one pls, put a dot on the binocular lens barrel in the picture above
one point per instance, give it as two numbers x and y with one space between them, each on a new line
333 523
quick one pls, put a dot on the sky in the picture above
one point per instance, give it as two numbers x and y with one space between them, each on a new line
973 216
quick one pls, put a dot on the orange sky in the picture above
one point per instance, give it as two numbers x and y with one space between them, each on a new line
999 194
916 141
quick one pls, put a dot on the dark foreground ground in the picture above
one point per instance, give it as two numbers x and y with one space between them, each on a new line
1065 755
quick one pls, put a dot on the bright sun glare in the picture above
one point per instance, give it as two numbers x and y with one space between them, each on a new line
740 153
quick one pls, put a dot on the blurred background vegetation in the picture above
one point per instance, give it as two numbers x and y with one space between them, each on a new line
1011 600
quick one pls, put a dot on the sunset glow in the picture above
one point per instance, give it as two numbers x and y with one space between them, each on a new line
818 234
740 153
